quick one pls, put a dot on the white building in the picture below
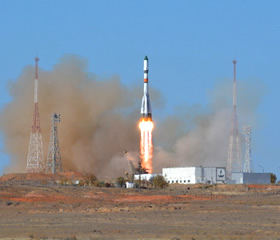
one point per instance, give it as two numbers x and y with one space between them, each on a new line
145 176
130 185
193 175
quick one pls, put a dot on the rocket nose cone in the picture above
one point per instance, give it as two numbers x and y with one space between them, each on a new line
146 58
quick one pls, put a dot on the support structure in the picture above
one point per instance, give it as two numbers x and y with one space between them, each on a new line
248 164
54 164
234 162
35 158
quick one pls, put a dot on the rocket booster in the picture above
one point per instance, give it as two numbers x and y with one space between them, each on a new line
146 109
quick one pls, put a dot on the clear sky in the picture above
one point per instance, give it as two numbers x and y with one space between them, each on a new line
190 44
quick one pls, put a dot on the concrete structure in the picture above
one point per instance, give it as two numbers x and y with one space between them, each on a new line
193 175
250 178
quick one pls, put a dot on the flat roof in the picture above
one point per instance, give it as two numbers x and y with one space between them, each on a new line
193 167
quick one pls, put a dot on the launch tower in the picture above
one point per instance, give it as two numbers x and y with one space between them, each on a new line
35 158
234 162
54 163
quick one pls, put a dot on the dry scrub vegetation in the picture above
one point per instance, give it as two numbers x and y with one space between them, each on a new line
177 212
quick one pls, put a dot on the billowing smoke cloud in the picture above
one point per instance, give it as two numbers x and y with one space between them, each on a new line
205 144
198 136
99 121
99 117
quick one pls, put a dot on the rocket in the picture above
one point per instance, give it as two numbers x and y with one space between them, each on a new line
146 109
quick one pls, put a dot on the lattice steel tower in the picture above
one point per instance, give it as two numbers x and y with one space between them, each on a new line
248 164
35 158
54 163
234 162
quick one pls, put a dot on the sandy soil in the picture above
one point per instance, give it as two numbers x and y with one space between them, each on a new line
68 212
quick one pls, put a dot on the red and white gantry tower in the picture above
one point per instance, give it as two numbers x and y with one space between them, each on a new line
35 159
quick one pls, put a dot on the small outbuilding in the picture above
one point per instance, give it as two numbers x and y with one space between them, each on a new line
130 185
250 178
145 176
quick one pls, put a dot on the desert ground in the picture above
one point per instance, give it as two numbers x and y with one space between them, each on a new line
37 209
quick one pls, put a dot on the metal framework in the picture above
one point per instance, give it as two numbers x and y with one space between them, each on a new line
35 158
234 161
248 164
54 164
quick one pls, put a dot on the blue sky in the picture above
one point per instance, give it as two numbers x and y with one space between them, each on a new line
190 44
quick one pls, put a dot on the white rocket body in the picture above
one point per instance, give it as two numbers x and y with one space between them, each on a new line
146 109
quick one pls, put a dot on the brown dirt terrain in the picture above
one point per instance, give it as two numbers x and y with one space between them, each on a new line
35 210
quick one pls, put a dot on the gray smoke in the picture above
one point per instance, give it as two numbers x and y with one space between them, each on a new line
199 136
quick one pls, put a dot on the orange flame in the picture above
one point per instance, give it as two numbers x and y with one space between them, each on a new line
146 145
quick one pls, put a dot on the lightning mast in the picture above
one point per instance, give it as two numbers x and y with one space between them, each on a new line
248 164
234 162
54 163
35 158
